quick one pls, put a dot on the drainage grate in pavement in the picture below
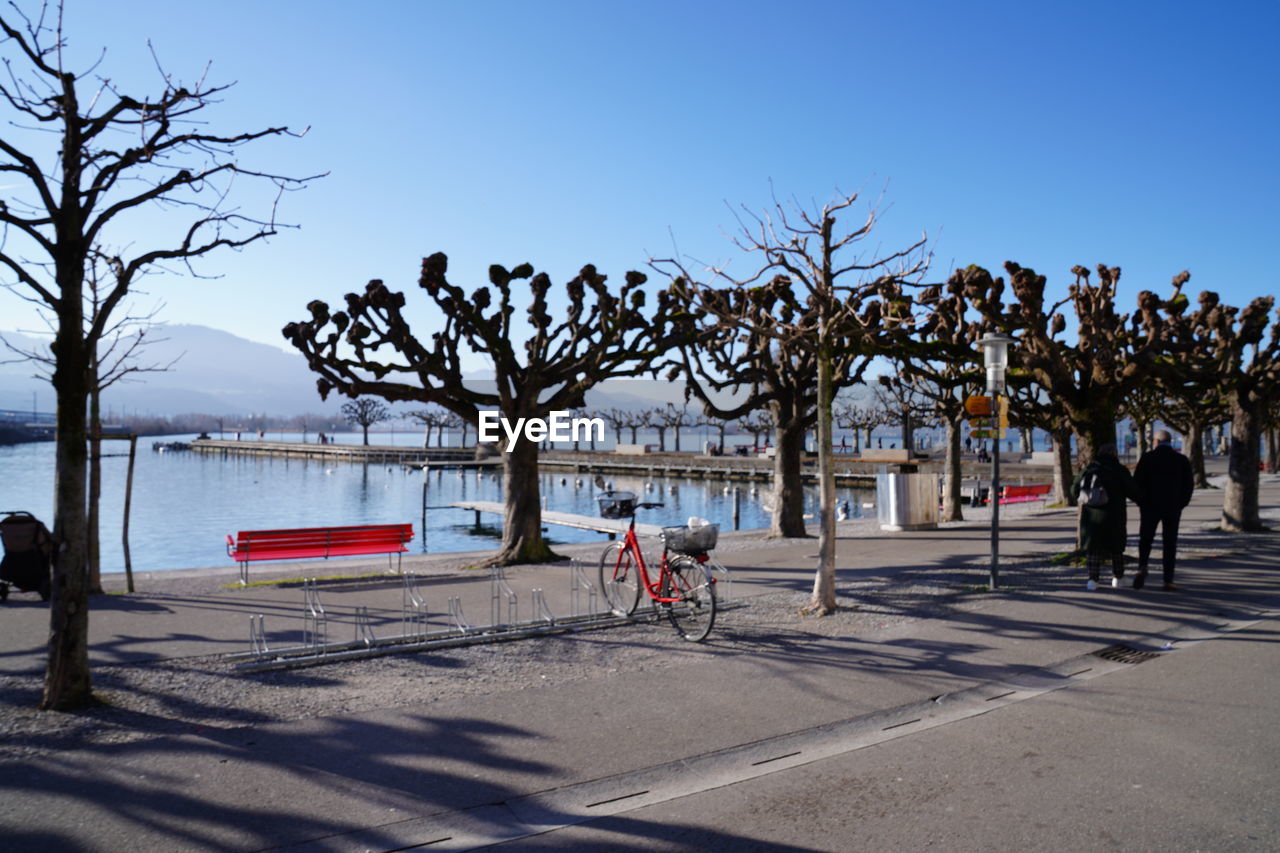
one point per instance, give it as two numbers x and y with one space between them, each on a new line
1125 654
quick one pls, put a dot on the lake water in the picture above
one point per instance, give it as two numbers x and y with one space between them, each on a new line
185 504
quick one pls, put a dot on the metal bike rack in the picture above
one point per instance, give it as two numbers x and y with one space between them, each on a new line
364 628
455 615
499 590
579 587
723 579
258 634
314 620
415 634
541 612
413 609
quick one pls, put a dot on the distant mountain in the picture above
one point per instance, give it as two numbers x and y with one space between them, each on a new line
215 372
218 373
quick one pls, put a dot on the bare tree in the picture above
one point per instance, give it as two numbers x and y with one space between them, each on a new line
432 420
861 416
364 412
758 423
1112 354
676 418
1247 355
635 422
617 419
655 419
601 335
848 306
116 358
70 182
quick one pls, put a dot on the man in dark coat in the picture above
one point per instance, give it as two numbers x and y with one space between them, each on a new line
1104 529
1164 477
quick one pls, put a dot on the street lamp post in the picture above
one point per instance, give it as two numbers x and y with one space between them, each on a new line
995 356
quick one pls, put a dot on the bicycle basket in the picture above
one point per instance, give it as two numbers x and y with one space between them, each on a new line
691 540
617 504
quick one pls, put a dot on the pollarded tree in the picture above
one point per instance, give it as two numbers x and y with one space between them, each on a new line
81 160
370 348
755 338
677 418
861 416
1113 353
364 413
656 420
1248 374
1190 382
616 419
433 419
941 366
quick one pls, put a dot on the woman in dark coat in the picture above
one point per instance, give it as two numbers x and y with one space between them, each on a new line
1104 529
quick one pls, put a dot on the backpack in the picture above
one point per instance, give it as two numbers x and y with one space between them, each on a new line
1092 492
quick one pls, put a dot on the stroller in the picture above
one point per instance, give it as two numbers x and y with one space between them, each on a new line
28 554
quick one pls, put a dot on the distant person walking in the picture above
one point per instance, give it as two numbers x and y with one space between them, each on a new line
1101 489
1164 477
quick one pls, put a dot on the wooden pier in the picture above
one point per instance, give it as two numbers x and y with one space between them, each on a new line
612 526
417 456
697 468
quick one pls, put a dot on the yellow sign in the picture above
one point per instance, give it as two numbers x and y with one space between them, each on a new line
977 406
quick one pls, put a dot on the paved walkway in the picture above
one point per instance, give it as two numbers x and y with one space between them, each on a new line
994 727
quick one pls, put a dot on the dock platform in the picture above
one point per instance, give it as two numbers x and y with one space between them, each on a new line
614 527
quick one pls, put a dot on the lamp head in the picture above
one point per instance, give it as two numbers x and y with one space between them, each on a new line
995 356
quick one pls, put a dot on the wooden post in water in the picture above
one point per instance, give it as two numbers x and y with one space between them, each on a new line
128 498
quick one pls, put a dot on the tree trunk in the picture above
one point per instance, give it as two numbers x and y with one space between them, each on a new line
1028 442
522 540
633 435
952 474
788 485
366 434
1062 473
823 600
1092 434
1240 503
92 534
67 685
1195 453
662 439
676 448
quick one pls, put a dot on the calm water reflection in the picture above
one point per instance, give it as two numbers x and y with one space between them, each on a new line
184 504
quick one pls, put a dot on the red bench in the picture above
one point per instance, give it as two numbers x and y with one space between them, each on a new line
309 543
1023 494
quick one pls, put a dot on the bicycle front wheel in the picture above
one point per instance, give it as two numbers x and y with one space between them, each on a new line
620 579
695 613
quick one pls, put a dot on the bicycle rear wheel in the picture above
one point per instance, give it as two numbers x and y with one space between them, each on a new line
620 579
695 613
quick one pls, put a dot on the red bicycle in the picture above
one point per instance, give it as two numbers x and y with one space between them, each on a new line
683 588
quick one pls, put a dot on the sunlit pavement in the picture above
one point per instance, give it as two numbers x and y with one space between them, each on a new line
1175 752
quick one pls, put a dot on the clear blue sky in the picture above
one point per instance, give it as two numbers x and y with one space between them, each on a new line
1143 135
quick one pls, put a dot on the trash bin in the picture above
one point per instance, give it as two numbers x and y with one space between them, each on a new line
906 499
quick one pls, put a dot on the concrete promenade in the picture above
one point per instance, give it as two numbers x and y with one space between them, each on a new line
990 724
